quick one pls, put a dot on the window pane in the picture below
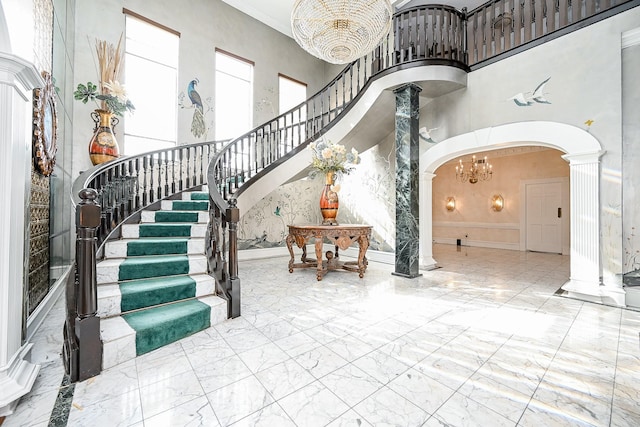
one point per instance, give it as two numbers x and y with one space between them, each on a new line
152 88
136 145
151 73
234 97
151 42
291 93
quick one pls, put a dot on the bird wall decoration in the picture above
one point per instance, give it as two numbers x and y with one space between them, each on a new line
425 135
198 126
527 99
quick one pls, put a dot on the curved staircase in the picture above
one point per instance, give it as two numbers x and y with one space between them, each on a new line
153 284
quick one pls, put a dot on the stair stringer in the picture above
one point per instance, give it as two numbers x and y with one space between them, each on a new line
341 127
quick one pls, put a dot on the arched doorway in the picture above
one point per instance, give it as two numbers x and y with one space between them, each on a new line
583 153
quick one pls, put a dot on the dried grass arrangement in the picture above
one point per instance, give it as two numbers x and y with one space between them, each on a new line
111 94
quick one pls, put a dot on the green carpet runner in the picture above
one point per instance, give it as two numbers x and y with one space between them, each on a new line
157 246
149 292
165 216
163 325
165 230
140 268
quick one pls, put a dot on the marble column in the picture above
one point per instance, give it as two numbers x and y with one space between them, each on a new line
17 79
407 181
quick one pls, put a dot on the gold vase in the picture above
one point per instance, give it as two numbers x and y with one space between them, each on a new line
329 201
103 146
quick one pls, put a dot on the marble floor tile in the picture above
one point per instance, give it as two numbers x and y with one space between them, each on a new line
296 344
194 413
350 419
121 411
320 361
423 391
32 409
388 408
263 357
381 366
285 378
463 411
313 405
219 373
269 416
109 384
349 347
169 393
351 384
235 401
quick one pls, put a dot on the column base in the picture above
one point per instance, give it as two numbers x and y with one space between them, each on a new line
594 292
428 264
16 380
407 276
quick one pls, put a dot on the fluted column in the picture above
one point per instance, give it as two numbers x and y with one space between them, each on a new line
426 222
407 181
586 265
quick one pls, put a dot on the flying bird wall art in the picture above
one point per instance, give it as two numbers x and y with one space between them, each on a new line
425 135
527 99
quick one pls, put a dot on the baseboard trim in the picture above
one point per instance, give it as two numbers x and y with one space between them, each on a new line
36 318
479 243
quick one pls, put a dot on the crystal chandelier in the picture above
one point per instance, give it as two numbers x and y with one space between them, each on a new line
478 170
340 31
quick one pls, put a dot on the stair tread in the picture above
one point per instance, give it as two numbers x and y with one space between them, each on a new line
159 326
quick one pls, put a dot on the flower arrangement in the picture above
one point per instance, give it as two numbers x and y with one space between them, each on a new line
327 156
111 94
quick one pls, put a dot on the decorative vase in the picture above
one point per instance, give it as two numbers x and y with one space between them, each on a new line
329 201
103 146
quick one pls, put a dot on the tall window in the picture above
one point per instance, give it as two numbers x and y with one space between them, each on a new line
234 95
151 73
291 93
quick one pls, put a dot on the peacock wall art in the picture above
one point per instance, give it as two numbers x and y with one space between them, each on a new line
201 108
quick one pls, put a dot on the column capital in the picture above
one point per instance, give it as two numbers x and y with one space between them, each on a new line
428 176
408 86
584 158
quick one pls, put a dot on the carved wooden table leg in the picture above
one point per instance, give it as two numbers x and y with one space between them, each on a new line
320 271
362 259
290 239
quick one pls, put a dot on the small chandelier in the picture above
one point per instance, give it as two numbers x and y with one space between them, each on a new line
340 31
478 170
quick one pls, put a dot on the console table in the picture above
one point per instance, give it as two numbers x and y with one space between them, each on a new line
342 236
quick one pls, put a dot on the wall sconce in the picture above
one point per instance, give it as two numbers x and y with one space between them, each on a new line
497 203
451 204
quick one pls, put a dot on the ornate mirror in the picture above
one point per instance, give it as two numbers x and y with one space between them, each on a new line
45 126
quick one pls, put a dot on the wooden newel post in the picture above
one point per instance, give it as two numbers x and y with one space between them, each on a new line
87 324
233 217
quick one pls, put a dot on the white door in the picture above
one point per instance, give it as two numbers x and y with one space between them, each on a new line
543 213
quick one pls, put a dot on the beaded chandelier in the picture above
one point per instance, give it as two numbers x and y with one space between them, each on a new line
340 31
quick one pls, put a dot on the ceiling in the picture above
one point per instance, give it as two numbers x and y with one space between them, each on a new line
276 13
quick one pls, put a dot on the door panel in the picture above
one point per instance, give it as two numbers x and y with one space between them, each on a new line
544 233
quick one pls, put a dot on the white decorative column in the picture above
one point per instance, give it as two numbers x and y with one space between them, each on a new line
586 263
17 79
426 223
